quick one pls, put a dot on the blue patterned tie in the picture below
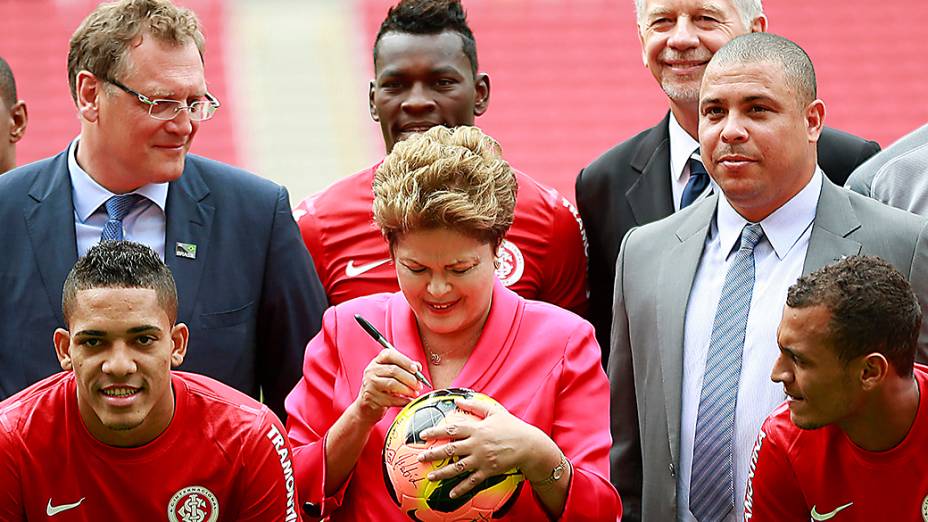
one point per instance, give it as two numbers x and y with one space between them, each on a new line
712 491
696 185
117 207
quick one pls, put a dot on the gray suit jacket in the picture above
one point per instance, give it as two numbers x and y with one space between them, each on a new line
898 176
629 186
654 274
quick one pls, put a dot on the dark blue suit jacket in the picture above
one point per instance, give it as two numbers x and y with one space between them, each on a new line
251 297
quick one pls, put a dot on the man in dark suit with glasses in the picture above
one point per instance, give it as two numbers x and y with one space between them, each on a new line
246 284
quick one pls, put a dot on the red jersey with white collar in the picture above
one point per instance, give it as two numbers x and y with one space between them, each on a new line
543 255
820 474
224 457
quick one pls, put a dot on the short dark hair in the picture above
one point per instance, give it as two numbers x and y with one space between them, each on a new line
872 305
7 84
120 264
430 17
770 48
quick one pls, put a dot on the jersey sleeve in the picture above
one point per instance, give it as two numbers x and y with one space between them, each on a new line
584 438
11 507
268 486
772 491
566 260
311 232
311 412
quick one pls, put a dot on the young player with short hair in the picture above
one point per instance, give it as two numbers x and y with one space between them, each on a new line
118 435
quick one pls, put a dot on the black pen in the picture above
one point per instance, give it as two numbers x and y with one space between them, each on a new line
369 328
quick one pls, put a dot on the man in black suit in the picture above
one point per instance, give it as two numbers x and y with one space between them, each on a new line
649 176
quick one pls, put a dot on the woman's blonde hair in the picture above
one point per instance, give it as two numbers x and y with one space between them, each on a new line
446 178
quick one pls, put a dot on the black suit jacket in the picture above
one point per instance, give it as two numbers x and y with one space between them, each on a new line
629 186
251 296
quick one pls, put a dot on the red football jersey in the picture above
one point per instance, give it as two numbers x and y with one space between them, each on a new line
820 474
542 257
224 457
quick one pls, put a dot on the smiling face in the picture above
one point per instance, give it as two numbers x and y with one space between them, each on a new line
678 37
756 138
821 388
424 80
447 278
126 148
121 346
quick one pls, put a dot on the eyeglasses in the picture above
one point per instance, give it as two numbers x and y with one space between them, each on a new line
160 109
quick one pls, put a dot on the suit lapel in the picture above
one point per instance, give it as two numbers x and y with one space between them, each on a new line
835 219
188 220
678 269
49 214
650 196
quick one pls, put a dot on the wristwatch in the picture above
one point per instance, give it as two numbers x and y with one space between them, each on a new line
556 473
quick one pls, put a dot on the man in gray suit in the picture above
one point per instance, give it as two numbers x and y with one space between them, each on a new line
694 320
898 176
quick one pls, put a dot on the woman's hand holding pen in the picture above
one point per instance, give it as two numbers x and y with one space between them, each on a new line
389 380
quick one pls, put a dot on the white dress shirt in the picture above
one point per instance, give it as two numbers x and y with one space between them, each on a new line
682 146
145 223
778 261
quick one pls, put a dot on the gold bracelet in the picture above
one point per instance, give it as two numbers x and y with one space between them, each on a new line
556 473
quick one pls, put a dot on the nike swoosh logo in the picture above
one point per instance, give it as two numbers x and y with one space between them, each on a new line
51 510
354 271
830 515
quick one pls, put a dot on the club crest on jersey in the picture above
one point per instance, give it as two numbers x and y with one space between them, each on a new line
193 504
511 263
925 508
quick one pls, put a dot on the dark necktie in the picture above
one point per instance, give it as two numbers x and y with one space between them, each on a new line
117 207
696 185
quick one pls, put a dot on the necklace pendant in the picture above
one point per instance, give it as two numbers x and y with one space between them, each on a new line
435 358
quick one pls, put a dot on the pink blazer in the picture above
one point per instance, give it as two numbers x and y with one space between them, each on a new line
541 362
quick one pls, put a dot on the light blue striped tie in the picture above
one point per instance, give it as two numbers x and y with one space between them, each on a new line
117 208
712 492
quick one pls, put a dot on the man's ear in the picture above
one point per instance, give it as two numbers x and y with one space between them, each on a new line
180 334
644 51
88 89
62 339
481 93
874 369
19 118
815 119
759 25
370 102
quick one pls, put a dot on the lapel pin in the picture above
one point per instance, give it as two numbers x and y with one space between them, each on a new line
188 250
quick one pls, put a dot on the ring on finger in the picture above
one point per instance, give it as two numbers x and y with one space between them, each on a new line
460 466
450 450
451 430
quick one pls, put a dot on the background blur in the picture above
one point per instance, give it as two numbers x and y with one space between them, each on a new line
566 75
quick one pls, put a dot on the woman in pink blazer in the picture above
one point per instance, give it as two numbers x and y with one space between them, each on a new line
444 200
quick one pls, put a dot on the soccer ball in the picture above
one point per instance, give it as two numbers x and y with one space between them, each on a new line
427 501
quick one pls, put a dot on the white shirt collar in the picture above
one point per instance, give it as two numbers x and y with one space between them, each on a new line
682 146
88 195
783 227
